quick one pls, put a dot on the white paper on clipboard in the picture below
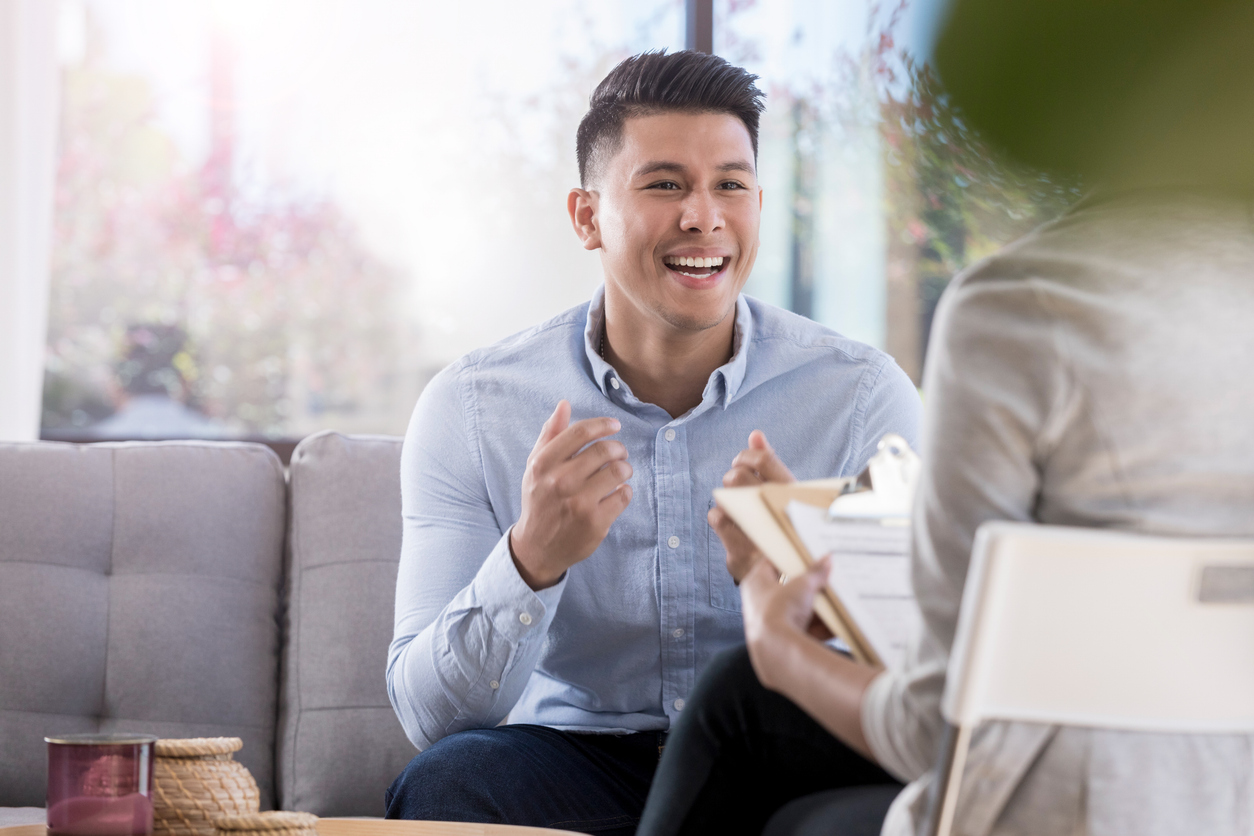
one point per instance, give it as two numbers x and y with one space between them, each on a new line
870 573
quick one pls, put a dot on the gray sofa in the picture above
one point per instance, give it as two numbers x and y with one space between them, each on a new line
194 589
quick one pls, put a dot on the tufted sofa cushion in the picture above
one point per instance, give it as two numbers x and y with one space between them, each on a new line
139 591
340 743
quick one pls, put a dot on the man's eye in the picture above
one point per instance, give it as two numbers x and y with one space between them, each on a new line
731 184
668 185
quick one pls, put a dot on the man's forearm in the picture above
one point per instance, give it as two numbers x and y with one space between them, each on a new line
468 667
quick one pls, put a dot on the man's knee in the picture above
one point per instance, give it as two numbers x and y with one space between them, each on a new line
457 778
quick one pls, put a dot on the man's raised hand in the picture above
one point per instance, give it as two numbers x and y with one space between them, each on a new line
570 495
755 465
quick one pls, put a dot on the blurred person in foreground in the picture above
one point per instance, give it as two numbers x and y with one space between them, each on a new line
1095 373
557 566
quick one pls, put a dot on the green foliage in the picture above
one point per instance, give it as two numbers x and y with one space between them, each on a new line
952 195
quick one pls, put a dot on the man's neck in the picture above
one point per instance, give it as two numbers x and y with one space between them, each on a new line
664 365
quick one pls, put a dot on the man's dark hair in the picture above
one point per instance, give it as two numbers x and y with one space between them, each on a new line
655 82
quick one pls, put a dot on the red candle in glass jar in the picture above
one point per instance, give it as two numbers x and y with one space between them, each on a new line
100 784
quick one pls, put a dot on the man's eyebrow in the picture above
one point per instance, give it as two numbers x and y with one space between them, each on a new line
739 165
660 165
679 168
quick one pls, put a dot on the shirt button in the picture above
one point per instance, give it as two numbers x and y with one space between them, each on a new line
525 617
494 685
673 542
670 435
678 632
614 382
679 705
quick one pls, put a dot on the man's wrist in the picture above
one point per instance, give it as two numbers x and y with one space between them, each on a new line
534 580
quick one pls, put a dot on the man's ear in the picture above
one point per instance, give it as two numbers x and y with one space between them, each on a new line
582 206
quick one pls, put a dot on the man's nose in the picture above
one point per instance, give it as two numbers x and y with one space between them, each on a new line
701 212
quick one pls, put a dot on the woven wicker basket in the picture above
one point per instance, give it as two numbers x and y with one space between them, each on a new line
197 781
268 824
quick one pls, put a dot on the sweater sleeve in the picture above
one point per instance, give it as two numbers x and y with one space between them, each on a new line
992 383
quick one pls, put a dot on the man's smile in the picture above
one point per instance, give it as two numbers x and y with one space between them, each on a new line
696 267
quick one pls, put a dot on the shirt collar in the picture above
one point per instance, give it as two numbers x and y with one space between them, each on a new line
729 375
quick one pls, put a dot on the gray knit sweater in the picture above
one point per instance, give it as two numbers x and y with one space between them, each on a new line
1100 373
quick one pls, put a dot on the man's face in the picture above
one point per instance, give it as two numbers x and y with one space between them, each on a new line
681 194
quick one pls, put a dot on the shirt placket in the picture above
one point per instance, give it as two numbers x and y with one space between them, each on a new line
677 559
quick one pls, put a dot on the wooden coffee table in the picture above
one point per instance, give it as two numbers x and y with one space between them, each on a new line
397 827
374 827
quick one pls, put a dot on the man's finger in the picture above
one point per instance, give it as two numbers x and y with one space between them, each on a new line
606 480
741 477
734 539
554 425
616 502
572 439
765 463
593 458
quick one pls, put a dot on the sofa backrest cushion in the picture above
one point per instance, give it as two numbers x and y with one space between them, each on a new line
340 743
139 591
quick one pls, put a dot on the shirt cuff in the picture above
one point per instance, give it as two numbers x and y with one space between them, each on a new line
514 608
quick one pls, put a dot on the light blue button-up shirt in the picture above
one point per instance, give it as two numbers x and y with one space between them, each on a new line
617 644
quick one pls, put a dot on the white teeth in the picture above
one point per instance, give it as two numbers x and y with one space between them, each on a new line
692 261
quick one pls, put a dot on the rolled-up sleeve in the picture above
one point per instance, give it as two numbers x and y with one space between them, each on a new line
468 629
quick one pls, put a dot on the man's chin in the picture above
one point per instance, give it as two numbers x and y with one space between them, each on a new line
694 321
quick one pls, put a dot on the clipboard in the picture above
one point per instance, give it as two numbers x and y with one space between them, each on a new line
761 512
884 491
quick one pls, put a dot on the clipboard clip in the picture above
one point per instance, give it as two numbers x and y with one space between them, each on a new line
885 488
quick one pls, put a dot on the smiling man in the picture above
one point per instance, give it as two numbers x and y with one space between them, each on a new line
557 565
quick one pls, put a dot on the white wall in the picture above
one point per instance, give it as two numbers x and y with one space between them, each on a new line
28 133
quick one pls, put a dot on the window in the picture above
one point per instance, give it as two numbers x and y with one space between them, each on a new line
279 216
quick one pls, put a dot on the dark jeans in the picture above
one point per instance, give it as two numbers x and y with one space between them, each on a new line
530 775
739 754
